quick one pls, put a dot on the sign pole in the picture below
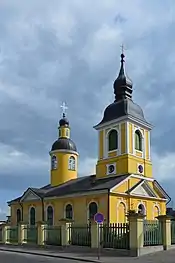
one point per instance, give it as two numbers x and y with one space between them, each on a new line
99 219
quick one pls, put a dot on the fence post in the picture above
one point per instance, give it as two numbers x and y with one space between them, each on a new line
65 233
4 234
96 234
165 222
136 233
40 233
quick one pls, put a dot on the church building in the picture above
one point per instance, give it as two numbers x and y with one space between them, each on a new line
123 179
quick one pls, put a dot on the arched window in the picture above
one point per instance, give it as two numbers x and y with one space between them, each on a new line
72 163
92 210
54 162
141 209
69 212
138 140
32 216
18 216
112 140
50 215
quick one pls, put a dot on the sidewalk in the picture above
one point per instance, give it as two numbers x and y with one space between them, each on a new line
61 253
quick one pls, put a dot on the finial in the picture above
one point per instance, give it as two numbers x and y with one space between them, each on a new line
64 108
122 54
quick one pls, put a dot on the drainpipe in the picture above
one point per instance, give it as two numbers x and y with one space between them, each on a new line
42 202
108 208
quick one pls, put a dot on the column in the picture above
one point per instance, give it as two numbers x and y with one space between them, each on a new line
96 235
165 222
65 233
136 234
41 232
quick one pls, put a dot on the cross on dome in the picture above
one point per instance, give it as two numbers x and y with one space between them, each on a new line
64 108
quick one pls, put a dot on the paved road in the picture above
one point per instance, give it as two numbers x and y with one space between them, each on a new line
160 257
11 257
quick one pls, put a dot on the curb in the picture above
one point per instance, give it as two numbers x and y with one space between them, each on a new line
50 255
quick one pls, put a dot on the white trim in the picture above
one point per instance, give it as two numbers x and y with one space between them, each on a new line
119 140
124 118
28 192
107 140
149 146
142 177
139 196
89 193
87 208
46 214
107 166
65 151
113 188
127 137
104 144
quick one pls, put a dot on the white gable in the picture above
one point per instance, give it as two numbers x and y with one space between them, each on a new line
142 190
29 195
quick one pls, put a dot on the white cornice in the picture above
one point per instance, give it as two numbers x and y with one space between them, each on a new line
124 118
63 151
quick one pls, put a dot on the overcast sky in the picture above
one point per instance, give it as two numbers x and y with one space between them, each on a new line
69 50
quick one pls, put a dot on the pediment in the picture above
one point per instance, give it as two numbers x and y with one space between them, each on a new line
29 195
143 189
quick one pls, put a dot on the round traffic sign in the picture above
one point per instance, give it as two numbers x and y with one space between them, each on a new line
99 218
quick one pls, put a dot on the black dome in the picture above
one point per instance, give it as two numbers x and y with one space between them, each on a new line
64 144
123 108
64 121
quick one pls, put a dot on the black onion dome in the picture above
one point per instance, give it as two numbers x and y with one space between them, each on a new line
122 85
64 121
123 108
64 144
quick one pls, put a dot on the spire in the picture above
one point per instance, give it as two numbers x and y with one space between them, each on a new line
122 85
64 121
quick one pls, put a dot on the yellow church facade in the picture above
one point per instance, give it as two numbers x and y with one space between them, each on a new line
123 179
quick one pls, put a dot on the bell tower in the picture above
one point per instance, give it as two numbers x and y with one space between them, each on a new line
124 133
64 155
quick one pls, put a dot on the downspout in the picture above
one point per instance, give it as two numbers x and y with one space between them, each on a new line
108 208
42 202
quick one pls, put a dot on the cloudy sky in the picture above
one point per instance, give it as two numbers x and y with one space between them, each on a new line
69 50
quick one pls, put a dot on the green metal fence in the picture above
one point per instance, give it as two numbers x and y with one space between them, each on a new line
115 236
12 234
31 234
80 235
152 233
172 232
53 235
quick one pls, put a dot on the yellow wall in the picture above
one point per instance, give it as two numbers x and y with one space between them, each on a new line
64 131
80 208
116 208
62 174
125 163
